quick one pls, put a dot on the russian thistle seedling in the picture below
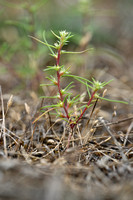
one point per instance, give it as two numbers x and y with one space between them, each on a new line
64 100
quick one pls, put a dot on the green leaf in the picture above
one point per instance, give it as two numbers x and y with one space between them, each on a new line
106 83
84 106
112 100
49 46
69 86
88 91
50 106
72 52
55 34
66 97
51 78
49 97
84 83
77 97
49 69
52 68
79 77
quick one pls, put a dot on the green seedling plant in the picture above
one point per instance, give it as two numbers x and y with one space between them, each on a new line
64 98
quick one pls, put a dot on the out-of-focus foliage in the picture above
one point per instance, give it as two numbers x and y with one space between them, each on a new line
95 22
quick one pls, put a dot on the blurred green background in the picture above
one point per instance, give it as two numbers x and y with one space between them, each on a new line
103 24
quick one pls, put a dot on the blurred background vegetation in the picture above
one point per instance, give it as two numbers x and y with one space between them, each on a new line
103 24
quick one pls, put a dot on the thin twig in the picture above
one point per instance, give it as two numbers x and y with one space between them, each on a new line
116 122
109 131
113 137
128 131
3 130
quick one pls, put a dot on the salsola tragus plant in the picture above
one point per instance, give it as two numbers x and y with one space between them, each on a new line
64 98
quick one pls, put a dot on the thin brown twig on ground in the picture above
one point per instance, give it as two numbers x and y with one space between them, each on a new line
116 122
128 132
3 131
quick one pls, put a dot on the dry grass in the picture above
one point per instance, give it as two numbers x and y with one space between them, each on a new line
35 161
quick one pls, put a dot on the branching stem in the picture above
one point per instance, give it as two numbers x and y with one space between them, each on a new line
72 124
89 102
63 94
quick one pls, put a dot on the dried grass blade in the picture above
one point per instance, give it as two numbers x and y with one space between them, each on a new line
3 130
42 115
9 103
128 132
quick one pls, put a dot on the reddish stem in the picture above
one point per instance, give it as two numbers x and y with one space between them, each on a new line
58 82
58 56
89 102
72 125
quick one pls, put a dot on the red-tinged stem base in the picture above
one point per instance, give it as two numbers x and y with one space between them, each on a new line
73 124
